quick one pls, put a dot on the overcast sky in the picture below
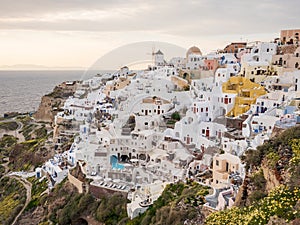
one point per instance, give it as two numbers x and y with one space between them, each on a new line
78 32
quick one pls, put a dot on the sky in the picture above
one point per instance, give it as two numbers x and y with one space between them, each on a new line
75 33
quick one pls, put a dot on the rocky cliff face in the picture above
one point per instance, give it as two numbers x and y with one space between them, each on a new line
271 176
45 111
52 103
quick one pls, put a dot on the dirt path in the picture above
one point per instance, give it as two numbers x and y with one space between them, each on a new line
28 186
14 132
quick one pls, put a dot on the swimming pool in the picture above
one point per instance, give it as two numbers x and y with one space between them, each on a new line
114 163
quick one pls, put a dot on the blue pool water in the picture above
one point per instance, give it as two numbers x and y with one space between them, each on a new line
114 163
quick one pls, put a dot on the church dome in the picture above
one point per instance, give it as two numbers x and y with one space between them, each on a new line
193 50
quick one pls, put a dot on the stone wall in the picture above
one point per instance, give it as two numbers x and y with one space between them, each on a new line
77 183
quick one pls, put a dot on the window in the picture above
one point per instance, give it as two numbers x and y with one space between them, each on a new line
217 162
203 131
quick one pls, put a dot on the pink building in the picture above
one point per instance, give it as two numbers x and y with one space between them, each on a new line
211 64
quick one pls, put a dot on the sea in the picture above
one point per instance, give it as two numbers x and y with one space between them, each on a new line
21 91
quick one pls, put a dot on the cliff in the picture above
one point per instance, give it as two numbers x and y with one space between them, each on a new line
53 102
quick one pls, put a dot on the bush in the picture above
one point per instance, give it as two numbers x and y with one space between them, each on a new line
112 209
175 116
8 125
256 196
258 180
272 159
280 202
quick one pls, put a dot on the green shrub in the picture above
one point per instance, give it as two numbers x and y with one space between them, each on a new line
175 116
8 125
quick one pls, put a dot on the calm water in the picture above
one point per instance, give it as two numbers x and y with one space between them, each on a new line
21 91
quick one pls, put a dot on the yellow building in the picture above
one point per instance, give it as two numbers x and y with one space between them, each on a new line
247 93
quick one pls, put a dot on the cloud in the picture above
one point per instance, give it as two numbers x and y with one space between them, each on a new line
177 17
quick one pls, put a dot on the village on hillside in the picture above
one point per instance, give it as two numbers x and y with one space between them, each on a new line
192 117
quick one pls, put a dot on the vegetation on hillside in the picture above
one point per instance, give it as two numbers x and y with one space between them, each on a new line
178 203
28 154
38 187
282 202
281 157
12 199
64 205
12 125
280 145
6 142
60 92
2 171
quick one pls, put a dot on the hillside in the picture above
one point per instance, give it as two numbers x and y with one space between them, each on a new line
178 203
270 193
12 199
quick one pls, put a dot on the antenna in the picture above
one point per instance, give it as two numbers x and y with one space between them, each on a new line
152 54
